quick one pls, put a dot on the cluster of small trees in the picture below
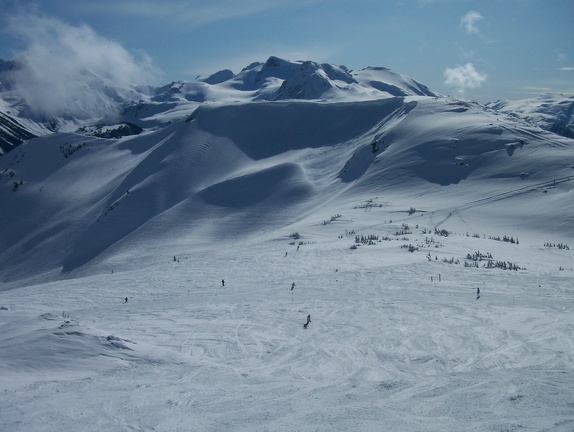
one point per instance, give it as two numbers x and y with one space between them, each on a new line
430 241
109 209
410 247
333 218
10 173
405 229
370 239
450 261
68 149
478 256
504 265
16 185
562 246
442 232
505 239
347 233
474 235
429 257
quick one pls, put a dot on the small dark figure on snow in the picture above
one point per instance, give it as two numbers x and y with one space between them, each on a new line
477 293
292 286
126 299
222 282
308 321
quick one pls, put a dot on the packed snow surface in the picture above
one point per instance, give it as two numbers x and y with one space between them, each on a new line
396 341
160 282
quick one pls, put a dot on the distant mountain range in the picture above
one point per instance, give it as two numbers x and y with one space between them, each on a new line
126 111
554 113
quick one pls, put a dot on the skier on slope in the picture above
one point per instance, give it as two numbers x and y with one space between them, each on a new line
477 293
308 321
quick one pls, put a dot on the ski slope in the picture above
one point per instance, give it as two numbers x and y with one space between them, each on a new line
386 348
270 193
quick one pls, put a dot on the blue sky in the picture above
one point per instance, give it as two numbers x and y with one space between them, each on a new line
483 50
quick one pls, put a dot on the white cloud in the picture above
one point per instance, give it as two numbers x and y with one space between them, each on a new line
463 77
567 68
470 20
64 67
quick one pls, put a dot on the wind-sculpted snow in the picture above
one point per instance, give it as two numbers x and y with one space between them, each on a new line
275 186
73 200
266 129
388 81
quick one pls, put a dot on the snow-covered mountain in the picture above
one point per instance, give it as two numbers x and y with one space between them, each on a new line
148 107
157 265
279 159
12 133
111 106
552 112
274 80
14 128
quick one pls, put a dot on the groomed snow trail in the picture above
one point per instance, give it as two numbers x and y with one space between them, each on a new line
386 348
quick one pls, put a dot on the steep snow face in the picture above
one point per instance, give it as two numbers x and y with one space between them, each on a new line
307 82
12 133
218 77
387 81
551 112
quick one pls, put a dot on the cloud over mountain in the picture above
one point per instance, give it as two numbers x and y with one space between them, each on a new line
71 70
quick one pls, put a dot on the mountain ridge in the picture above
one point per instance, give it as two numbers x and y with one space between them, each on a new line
260 163
236 169
273 80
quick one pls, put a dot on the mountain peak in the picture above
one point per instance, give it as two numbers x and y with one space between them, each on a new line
218 77
280 79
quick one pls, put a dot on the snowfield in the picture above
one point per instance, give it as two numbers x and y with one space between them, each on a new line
146 281
387 347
